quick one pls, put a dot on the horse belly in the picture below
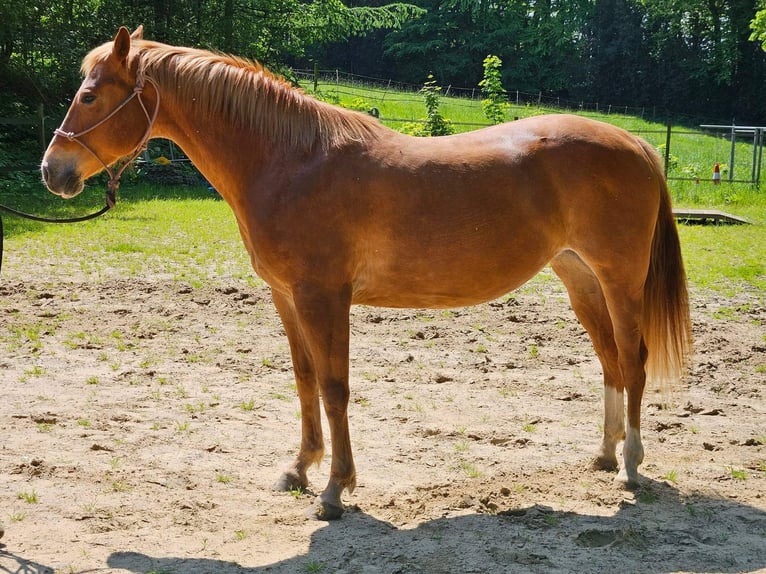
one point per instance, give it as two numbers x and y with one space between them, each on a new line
455 274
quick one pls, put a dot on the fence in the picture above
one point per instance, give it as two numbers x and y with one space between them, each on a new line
518 98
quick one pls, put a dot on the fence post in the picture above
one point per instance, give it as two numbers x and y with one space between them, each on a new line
760 156
755 154
316 76
731 156
667 151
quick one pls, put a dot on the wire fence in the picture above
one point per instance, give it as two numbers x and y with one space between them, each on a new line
393 91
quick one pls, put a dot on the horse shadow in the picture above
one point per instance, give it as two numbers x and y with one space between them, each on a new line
13 564
667 532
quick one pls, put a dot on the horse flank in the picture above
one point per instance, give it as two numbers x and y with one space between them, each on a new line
247 94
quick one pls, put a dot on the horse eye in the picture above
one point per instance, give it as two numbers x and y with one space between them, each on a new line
88 99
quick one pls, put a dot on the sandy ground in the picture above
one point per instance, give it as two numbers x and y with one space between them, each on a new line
143 423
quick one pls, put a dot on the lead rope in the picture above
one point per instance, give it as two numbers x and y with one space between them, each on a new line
114 177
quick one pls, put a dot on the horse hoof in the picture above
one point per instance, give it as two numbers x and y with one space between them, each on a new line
603 463
321 510
288 482
627 482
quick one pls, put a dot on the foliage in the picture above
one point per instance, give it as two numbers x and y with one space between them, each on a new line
758 26
689 56
434 124
42 42
495 101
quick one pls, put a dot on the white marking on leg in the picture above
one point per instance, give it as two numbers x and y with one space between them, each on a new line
633 455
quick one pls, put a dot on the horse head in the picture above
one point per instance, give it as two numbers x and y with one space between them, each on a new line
108 118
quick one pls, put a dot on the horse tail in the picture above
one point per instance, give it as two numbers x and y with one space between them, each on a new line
665 320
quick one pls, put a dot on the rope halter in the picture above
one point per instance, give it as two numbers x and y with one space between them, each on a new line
114 176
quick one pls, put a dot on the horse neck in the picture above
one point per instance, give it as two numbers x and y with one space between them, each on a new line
231 132
225 154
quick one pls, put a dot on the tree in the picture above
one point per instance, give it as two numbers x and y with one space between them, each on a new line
618 65
540 39
42 42
758 26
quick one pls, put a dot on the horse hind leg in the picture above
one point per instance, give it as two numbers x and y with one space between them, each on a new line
624 295
589 305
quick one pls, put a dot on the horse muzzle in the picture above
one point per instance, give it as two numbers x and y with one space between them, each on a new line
63 180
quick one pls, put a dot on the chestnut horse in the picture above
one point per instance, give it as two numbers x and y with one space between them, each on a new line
335 209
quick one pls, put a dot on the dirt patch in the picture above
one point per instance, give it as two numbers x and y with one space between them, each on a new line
144 421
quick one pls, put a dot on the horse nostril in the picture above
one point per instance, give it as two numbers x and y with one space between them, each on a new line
44 170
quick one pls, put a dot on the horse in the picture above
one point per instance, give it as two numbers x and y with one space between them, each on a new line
336 209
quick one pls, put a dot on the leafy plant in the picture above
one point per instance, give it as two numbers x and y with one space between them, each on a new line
495 101
434 124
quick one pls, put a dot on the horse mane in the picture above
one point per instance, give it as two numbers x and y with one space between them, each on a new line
245 93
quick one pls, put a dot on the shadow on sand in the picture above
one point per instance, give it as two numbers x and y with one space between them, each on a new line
664 532
11 563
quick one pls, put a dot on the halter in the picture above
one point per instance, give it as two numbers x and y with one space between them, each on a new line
114 176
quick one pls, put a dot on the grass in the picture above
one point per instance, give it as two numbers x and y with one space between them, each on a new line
671 476
737 474
247 405
28 497
470 469
185 234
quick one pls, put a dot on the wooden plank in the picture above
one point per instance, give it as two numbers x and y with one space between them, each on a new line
708 215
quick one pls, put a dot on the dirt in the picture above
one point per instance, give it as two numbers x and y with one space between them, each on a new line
143 422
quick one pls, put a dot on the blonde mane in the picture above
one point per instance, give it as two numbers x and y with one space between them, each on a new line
245 93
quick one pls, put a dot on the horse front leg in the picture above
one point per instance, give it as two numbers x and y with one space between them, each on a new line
323 320
312 443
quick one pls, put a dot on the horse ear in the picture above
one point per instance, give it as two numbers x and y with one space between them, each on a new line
121 47
138 33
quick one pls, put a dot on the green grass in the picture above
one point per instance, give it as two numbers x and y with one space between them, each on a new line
185 234
28 497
